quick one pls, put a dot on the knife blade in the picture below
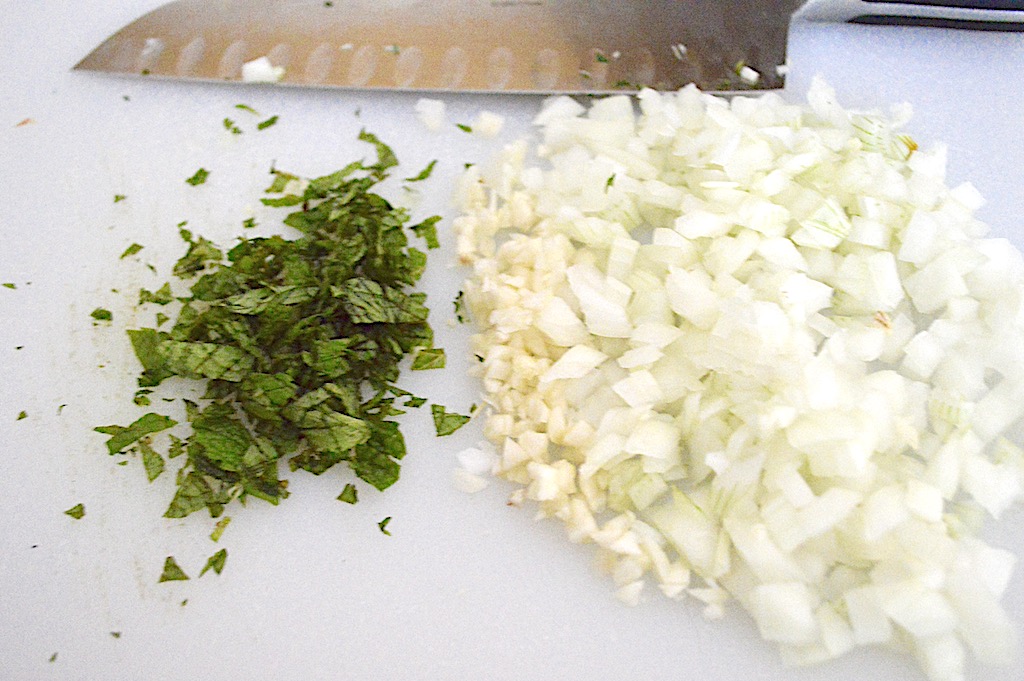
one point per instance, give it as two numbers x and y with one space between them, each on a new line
522 46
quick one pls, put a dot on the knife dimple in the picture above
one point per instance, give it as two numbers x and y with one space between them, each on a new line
363 65
454 66
190 56
500 63
319 64
231 61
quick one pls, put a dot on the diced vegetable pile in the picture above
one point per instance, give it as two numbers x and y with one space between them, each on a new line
757 351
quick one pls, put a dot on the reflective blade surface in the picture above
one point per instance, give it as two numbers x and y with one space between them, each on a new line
572 46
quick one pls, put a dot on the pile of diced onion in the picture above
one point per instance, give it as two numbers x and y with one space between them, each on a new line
760 351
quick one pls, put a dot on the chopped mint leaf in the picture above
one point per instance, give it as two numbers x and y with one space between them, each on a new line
172 572
249 223
131 250
215 562
427 230
601 58
463 127
102 315
232 127
298 343
383 526
53 658
162 296
199 177
118 198
161 319
22 415
10 285
116 634
423 174
349 494
263 125
415 402
446 422
151 460
247 108
218 529
77 511
125 436
432 358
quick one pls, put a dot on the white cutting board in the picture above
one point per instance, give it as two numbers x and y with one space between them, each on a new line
466 587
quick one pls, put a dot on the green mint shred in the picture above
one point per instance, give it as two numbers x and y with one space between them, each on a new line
446 422
423 174
22 415
172 572
463 127
77 511
123 437
298 343
263 125
218 529
429 358
102 315
349 495
215 562
232 127
131 250
10 285
383 525
199 178
118 198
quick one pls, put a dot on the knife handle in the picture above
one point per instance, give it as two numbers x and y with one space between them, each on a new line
994 15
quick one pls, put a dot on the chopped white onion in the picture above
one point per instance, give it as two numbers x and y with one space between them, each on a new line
761 351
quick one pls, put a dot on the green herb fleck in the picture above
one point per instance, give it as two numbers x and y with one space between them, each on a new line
53 658
263 125
161 319
383 525
184 603
116 634
118 198
22 415
10 285
77 511
232 127
463 127
611 182
446 422
460 307
601 58
172 572
247 108
218 529
427 230
432 358
125 436
151 460
162 296
131 250
141 398
349 494
215 562
199 177
102 315
60 409
249 223
423 174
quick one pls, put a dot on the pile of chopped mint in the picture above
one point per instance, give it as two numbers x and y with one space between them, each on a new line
298 341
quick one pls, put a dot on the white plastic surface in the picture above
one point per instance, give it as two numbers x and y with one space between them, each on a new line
466 588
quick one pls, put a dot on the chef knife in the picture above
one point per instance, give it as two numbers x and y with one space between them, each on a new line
574 46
